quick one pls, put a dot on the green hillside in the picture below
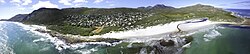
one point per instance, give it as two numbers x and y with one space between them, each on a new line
82 21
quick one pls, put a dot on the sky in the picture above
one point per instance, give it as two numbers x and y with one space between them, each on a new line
10 8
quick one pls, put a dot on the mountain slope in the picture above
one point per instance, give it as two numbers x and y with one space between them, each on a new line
45 16
84 21
18 18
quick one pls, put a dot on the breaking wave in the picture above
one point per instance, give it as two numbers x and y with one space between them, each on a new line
211 35
59 44
4 48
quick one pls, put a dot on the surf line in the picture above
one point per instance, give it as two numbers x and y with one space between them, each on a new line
202 20
182 31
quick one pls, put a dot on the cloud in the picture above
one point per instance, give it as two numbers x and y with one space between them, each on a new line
46 4
73 3
21 8
111 4
2 1
108 2
77 5
65 2
15 1
26 2
242 2
21 2
98 1
80 1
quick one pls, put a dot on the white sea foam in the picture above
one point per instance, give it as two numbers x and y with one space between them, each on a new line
32 28
187 45
211 35
129 45
86 51
41 39
4 48
44 49
60 44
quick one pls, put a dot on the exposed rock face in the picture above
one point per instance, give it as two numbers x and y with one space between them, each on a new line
18 18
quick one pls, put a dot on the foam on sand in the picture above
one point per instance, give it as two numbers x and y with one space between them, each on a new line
59 44
4 48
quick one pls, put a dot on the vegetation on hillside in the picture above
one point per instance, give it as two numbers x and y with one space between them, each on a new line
82 21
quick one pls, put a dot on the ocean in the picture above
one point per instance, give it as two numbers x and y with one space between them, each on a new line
17 38
241 12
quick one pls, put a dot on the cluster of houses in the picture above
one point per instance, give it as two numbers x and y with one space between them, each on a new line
125 20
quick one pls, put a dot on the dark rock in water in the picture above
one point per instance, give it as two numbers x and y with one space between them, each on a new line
109 40
188 39
165 47
54 34
41 30
168 43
